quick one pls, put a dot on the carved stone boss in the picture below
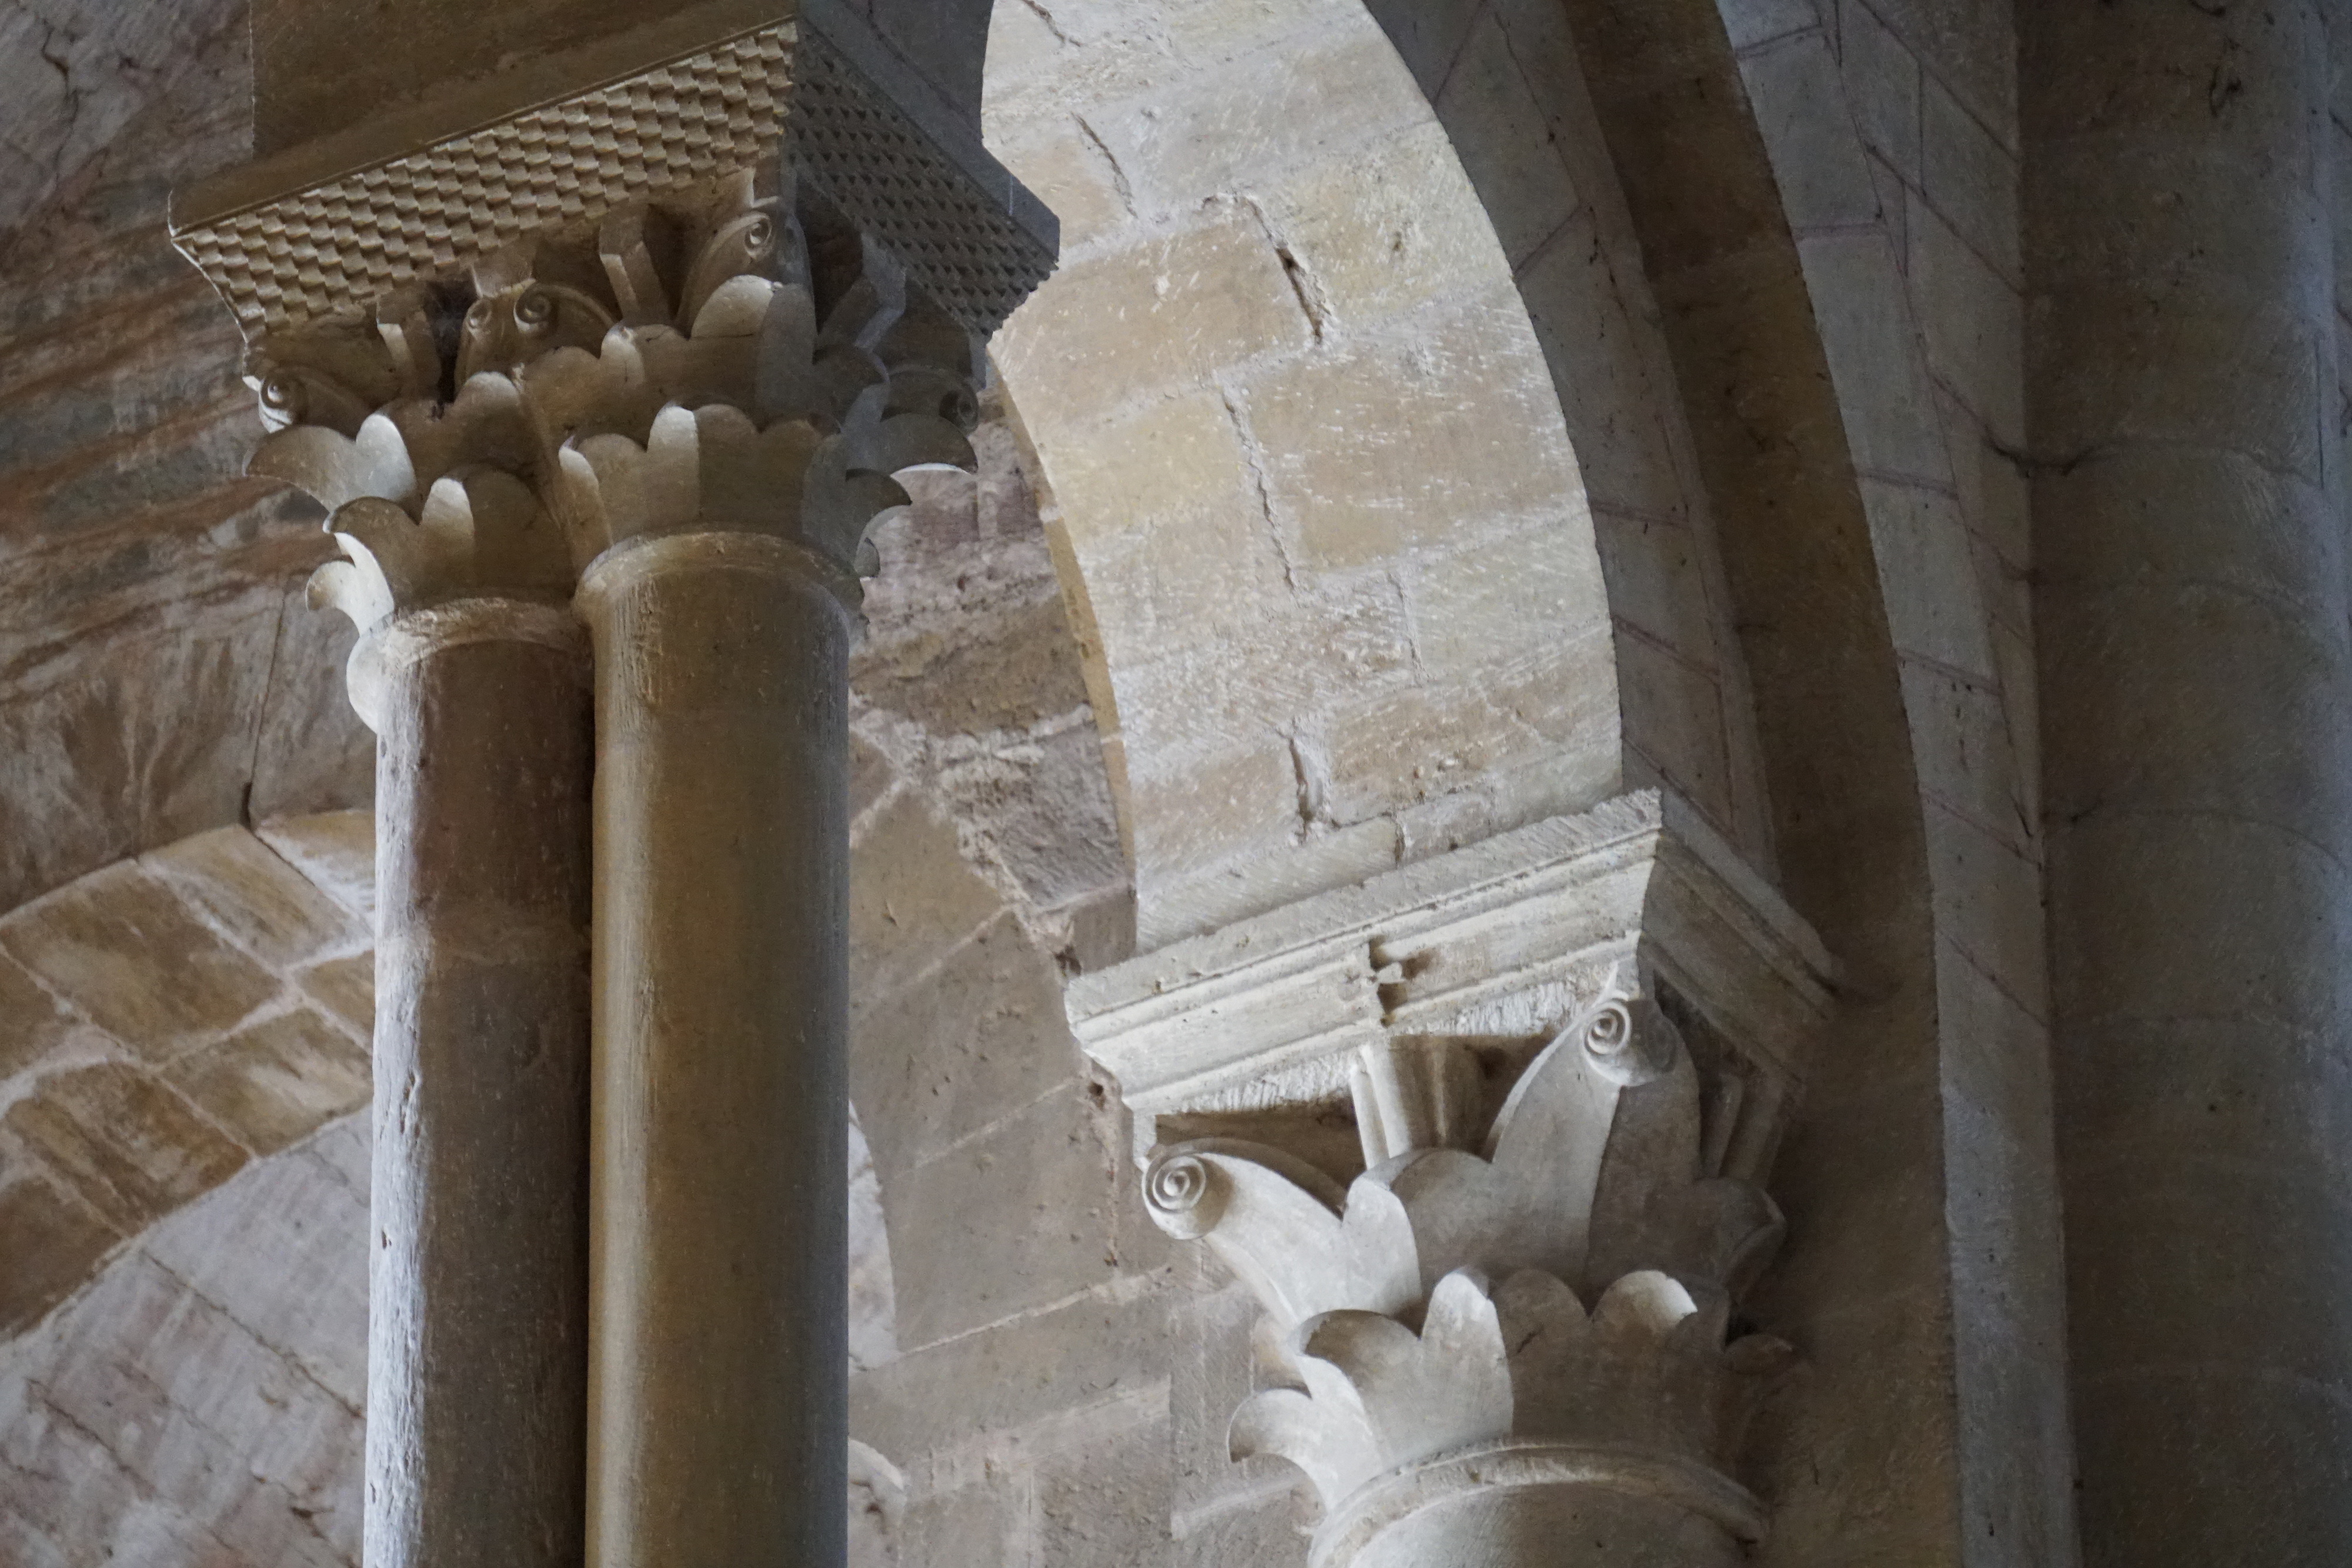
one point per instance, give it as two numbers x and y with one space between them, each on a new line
1506 1310
653 346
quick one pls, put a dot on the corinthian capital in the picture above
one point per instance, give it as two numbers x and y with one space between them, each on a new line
737 289
1567 1054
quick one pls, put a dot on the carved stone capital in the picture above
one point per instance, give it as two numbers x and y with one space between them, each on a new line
1564 1057
737 289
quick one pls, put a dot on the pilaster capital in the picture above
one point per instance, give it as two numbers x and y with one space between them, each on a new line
734 288
1565 1055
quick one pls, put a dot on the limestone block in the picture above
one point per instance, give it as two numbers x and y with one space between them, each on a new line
1933 607
1486 437
345 989
32 1022
1865 315
1676 723
1187 904
912 899
2237 377
248 890
1105 1503
1039 1185
1425 740
1869 1466
1988 897
1656 583
2207 678
312 752
124 1143
985 1526
1971 178
1204 809
1071 174
1176 456
1961 731
1882 84
980 1039
2277 1231
278 1080
1614 407
124 947
1018 1370
2206 1082
1971 44
302 1213
335 851
51 1239
1499 128
2238 524
1322 97
1208 294
1527 592
1973 321
1264 1534
1216 31
1796 90
150 740
167 1365
2193 1421
2118 947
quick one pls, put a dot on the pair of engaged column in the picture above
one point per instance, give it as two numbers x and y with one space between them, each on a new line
606 599
653 1329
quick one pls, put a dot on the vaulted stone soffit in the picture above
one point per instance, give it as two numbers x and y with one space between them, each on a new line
1488 1137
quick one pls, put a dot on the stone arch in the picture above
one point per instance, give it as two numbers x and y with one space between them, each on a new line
1330 538
1822 322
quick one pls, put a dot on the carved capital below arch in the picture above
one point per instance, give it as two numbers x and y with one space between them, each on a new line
1567 1055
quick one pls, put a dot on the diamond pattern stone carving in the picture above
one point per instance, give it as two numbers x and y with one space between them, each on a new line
336 249
333 250
966 251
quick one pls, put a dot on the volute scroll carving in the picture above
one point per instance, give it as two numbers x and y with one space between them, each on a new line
735 357
1521 1314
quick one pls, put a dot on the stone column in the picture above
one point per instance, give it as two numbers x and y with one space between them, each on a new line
722 843
1507 1326
2197 695
477 1273
659 340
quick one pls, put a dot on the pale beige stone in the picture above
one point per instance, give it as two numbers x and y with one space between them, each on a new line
249 891
51 1238
122 1141
335 851
32 1022
1206 295
123 948
278 1080
1486 445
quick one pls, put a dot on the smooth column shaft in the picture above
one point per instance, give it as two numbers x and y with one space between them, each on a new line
719 1374
2196 693
478 1275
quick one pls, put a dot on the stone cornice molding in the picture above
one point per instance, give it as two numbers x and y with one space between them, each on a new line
328 229
1505 938
1568 1052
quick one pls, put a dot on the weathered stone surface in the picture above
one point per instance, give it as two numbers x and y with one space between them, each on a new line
32 1022
246 888
125 949
277 1080
123 1141
51 1239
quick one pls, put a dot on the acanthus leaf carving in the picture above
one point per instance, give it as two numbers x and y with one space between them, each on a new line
1610 1183
704 362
